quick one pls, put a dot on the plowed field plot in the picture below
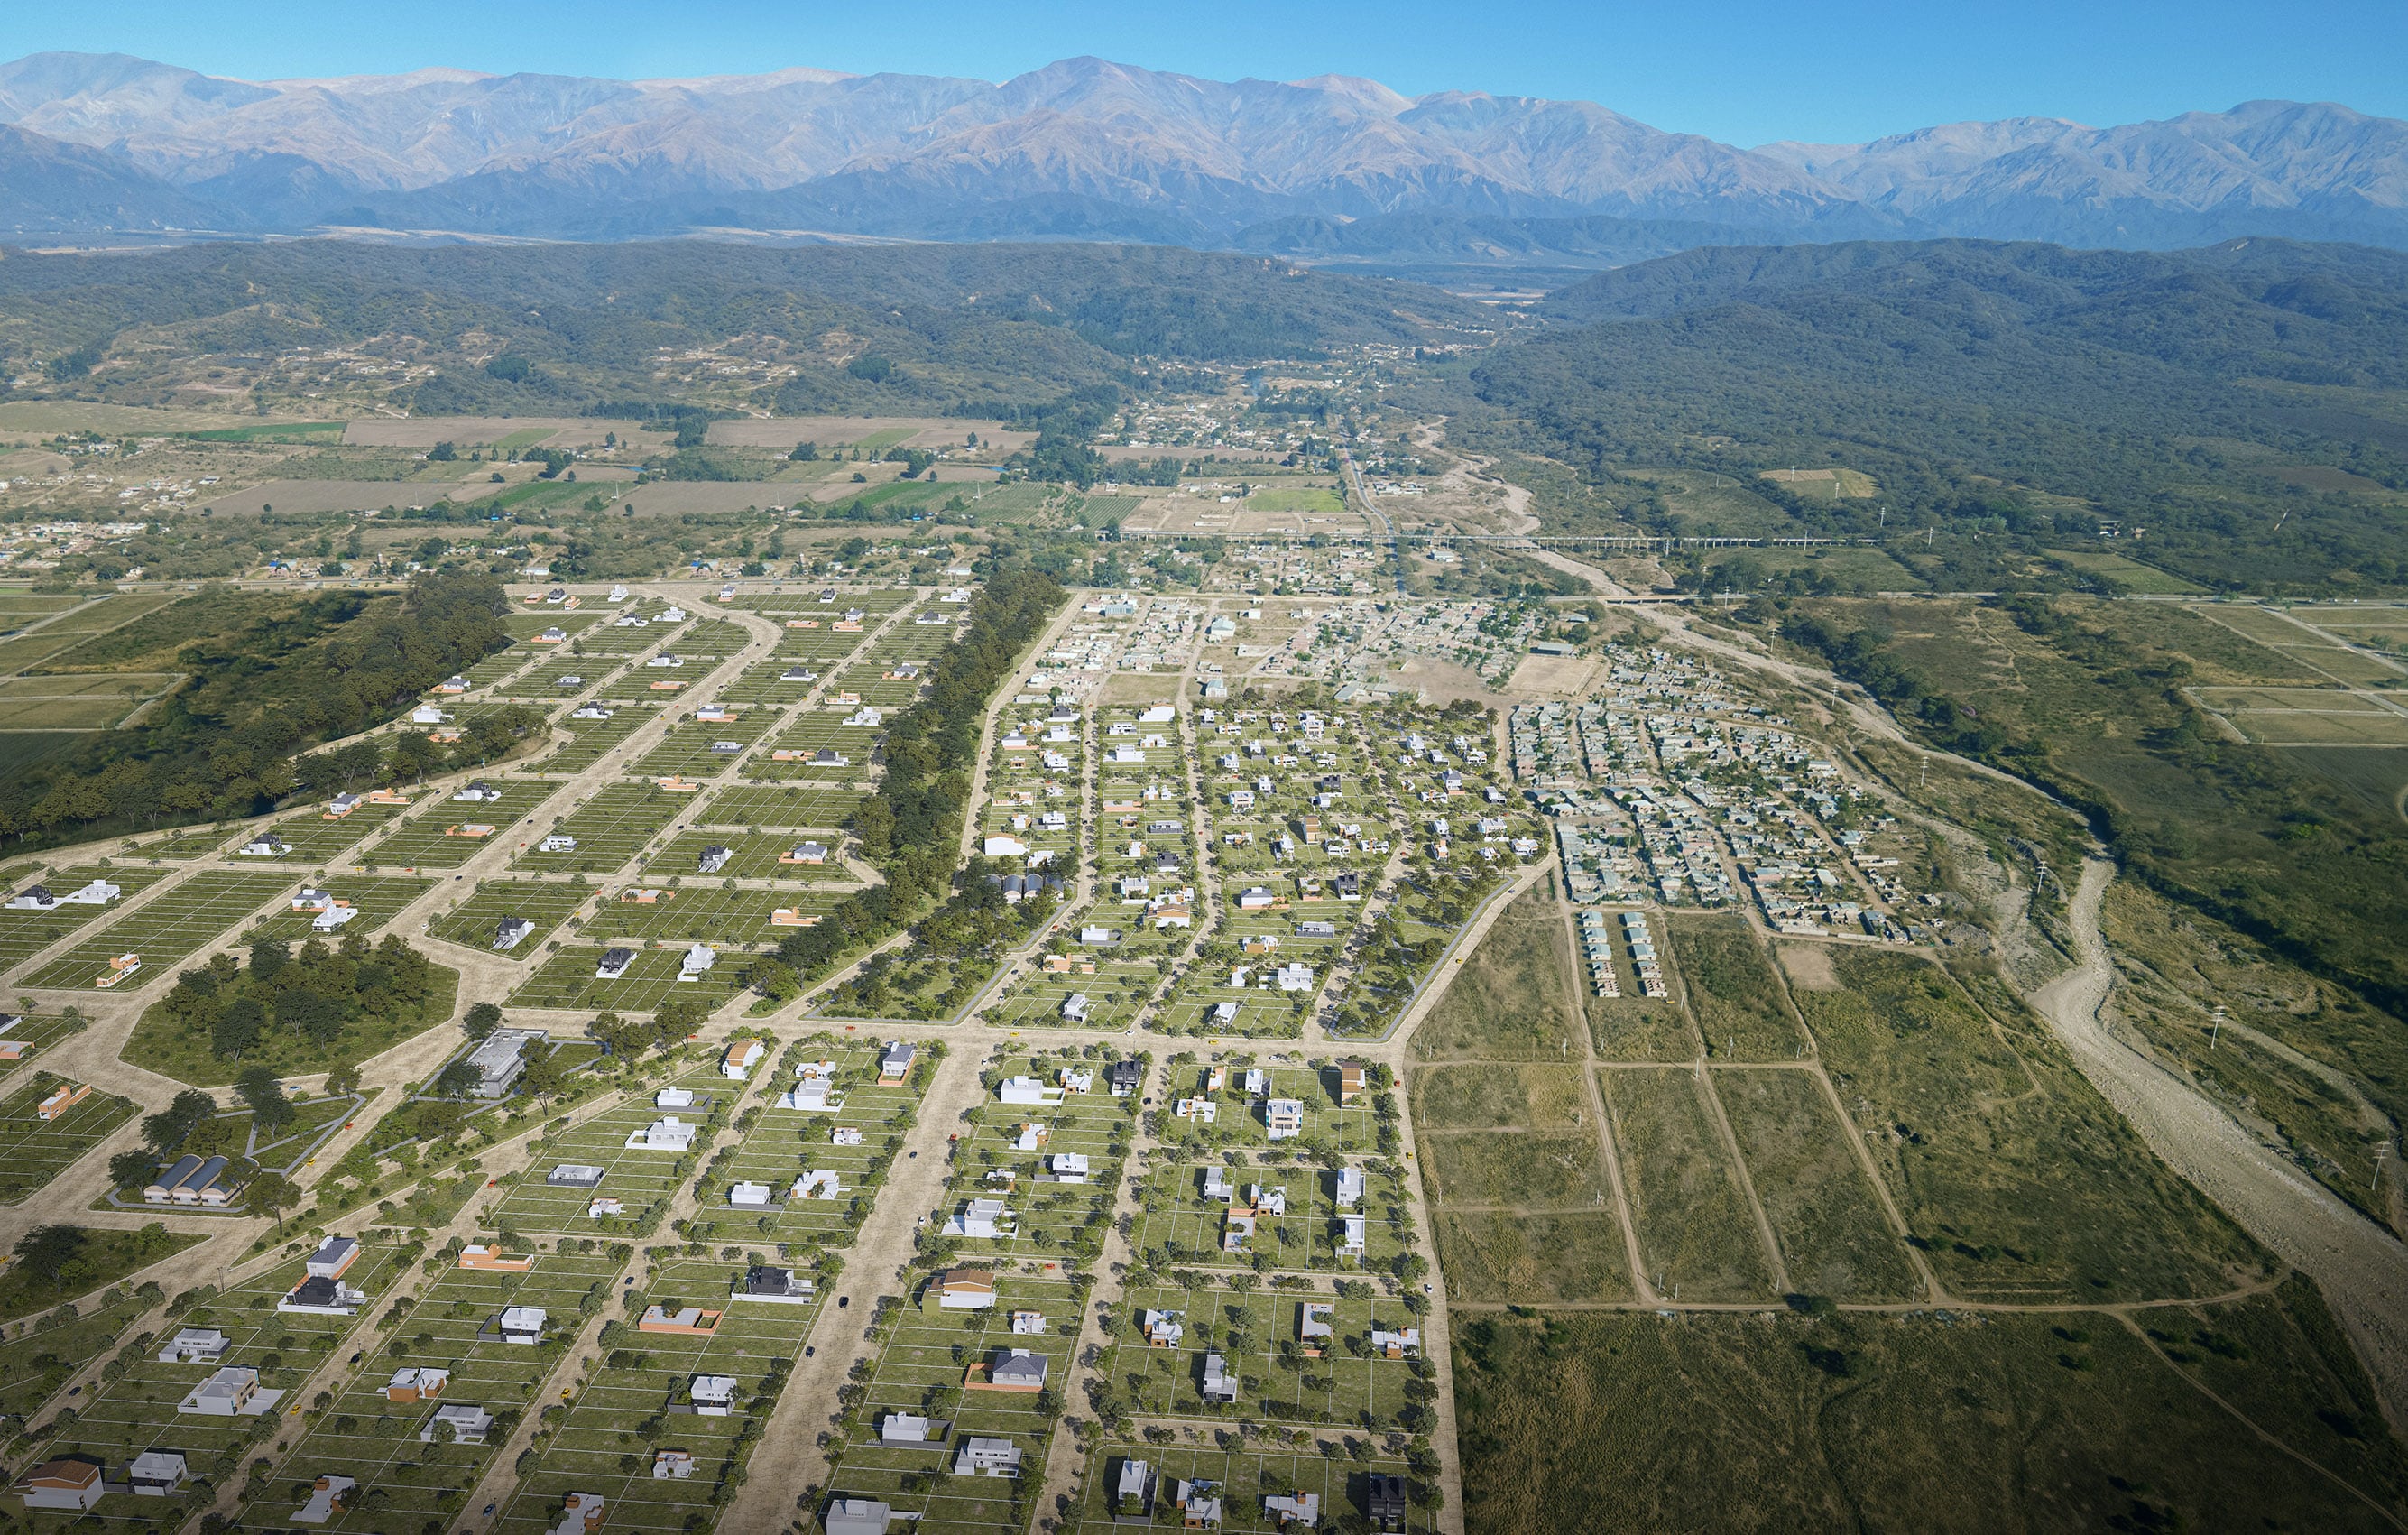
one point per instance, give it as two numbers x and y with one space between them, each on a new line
173 925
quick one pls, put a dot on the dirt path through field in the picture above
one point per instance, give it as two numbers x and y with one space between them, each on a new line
2362 1269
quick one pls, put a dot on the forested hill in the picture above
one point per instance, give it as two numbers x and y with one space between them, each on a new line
2322 314
1980 383
587 324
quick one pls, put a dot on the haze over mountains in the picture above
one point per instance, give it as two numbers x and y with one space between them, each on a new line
1331 168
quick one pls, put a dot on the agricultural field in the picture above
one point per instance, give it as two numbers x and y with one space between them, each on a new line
170 926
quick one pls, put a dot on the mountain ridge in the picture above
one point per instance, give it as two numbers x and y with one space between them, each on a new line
1208 161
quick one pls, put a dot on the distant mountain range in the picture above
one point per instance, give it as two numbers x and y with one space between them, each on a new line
1331 169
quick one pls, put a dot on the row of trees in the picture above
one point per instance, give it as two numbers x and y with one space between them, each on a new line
911 831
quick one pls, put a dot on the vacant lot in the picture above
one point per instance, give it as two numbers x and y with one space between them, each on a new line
1740 1003
2025 1185
1511 998
1771 1422
1825 1217
1696 1232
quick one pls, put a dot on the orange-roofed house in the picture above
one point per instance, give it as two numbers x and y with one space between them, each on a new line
689 1321
478 1256
67 1097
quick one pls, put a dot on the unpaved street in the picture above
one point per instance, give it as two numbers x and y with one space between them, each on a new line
2362 1269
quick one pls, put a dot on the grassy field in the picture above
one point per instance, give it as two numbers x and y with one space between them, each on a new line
1772 1422
546 903
1979 1130
1511 998
34 1151
2126 572
1741 1008
1825 1217
1696 1232
106 1258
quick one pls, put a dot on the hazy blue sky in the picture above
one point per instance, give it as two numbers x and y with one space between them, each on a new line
1743 71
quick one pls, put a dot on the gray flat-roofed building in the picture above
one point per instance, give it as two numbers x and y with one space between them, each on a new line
501 1058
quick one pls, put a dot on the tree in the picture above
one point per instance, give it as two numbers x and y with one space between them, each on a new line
276 1194
271 1111
457 1080
238 1028
46 1250
164 1131
269 955
343 1081
481 1021
128 1168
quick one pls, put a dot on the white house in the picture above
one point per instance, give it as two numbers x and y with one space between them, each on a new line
669 1133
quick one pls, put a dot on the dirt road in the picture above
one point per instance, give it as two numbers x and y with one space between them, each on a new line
2362 1269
